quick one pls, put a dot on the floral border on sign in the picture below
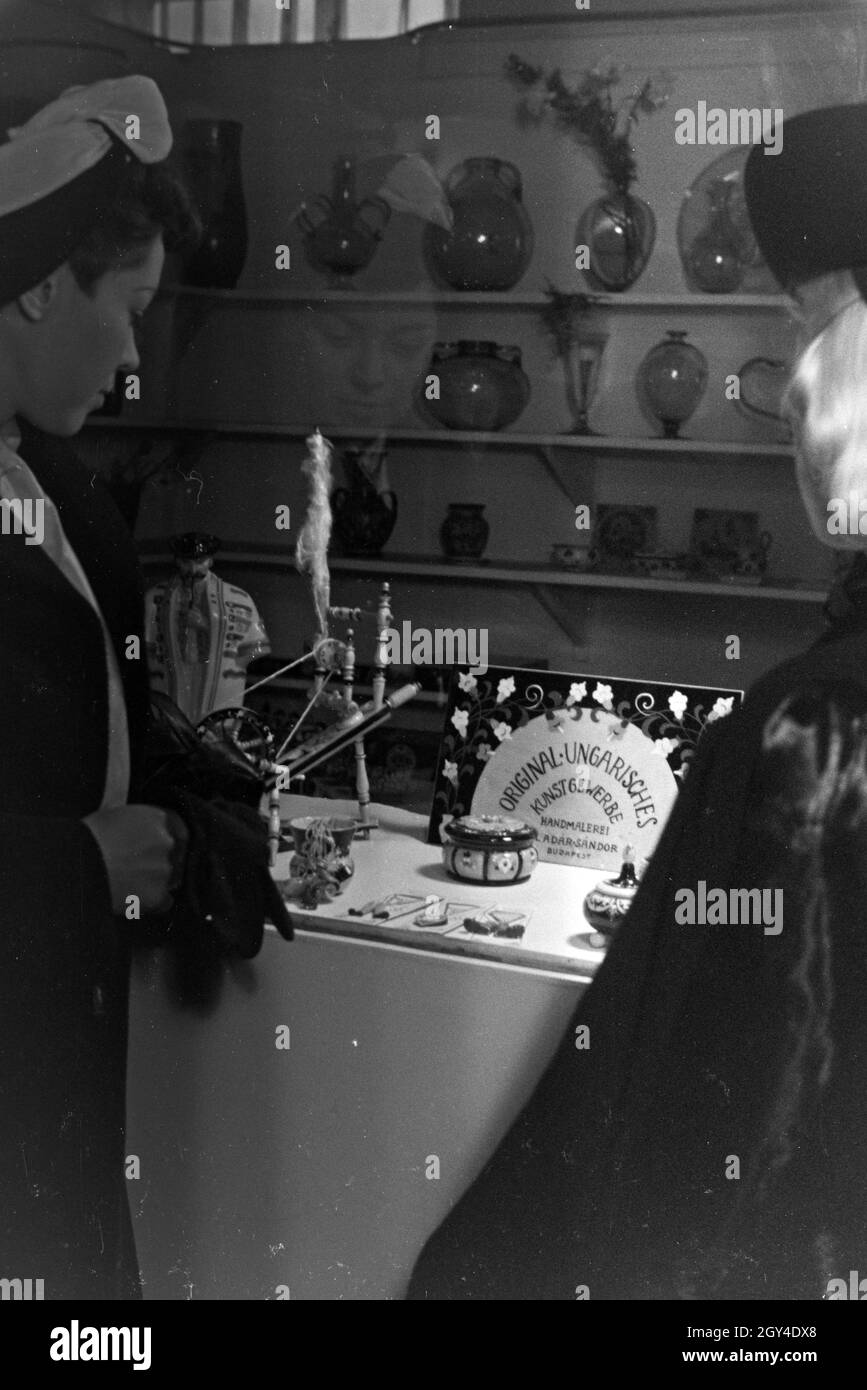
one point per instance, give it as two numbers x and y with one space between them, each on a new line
485 712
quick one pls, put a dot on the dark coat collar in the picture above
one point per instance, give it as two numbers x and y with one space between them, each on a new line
100 538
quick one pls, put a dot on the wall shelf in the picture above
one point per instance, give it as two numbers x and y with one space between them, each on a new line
660 303
593 444
564 596
505 572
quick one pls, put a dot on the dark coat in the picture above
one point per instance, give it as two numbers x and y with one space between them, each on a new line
64 959
612 1182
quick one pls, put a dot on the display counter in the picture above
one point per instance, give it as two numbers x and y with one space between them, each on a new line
396 860
304 1138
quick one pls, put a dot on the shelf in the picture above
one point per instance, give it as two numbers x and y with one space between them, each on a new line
499 572
503 572
677 303
594 444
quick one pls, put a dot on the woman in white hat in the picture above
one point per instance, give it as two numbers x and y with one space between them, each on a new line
711 1141
86 211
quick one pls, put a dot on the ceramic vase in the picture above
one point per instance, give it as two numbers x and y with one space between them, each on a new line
464 533
482 386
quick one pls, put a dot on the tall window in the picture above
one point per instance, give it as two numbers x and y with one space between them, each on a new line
272 21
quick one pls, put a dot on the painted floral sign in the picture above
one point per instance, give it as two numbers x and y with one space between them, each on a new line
594 763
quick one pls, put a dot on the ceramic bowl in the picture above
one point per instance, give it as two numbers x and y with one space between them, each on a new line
340 828
570 557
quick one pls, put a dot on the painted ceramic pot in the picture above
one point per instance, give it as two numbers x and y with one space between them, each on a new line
489 849
606 905
491 242
464 533
482 386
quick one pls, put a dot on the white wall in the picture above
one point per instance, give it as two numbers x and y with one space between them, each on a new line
306 1167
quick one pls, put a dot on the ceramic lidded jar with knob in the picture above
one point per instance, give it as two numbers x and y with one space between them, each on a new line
489 849
491 242
672 380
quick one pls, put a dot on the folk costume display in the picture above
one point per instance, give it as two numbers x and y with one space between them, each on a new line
74 710
202 632
701 1132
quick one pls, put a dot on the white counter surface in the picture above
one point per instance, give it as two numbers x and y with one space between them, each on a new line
396 859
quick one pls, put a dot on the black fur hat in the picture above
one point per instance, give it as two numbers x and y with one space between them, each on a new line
808 203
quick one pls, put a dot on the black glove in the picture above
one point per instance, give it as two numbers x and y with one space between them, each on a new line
227 891
176 759
226 896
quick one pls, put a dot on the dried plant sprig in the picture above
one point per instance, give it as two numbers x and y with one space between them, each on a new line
589 113
560 314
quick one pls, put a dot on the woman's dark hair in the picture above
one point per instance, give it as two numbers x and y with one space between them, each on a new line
150 200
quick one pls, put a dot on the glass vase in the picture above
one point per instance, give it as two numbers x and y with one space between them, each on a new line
671 381
717 260
341 234
619 231
212 162
491 242
581 367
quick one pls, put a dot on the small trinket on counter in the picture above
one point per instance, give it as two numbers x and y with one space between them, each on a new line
435 913
493 921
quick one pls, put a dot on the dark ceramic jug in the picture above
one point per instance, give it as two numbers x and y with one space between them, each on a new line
363 518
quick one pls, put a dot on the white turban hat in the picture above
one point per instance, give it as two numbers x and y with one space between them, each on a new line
59 172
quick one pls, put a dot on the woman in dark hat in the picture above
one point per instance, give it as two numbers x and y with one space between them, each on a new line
711 1142
87 210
